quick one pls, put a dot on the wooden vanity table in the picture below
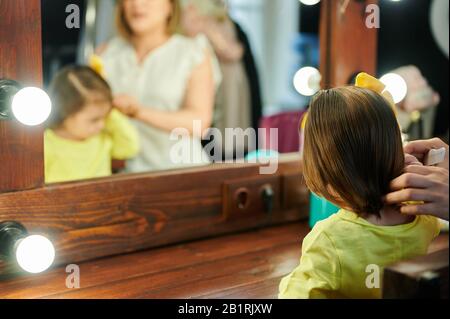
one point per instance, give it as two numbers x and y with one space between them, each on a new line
237 266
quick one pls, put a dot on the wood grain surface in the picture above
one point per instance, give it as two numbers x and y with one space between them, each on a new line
21 147
125 213
244 265
347 45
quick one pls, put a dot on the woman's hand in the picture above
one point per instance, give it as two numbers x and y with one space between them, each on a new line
192 23
427 184
419 149
126 104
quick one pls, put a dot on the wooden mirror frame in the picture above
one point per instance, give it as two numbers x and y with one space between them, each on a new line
119 214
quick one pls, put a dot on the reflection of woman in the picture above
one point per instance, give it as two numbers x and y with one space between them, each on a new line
238 101
161 79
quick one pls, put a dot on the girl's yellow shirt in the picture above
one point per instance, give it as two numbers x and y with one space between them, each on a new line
342 255
67 160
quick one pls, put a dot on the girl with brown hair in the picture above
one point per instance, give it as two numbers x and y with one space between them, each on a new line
352 151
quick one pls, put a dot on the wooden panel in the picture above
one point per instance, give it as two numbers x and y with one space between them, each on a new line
244 196
245 265
104 217
347 46
21 154
421 277
211 264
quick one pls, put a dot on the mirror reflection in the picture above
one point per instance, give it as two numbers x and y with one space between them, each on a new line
149 85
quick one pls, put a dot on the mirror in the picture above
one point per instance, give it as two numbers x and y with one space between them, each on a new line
191 93
233 67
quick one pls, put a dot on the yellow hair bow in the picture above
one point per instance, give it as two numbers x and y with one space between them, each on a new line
364 80
96 63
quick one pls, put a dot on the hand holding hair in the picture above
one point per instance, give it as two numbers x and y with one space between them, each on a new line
428 184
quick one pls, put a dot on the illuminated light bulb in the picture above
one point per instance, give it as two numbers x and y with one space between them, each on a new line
35 253
309 2
395 85
31 106
307 81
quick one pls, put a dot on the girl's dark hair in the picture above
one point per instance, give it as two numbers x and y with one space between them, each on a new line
353 148
73 87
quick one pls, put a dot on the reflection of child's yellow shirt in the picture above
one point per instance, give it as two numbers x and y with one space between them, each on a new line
67 160
339 254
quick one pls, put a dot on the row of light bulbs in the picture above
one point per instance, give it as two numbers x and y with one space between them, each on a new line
30 106
307 83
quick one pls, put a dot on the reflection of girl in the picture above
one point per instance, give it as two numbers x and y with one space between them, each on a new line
84 133
163 80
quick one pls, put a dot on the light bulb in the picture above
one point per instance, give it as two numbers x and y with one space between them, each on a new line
35 253
309 2
307 81
395 85
31 106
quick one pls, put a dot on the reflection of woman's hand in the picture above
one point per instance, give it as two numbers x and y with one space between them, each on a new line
192 22
420 94
126 104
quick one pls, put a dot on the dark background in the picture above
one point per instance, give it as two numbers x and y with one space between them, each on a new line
59 44
405 38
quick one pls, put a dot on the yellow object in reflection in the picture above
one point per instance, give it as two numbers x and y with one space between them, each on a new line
96 63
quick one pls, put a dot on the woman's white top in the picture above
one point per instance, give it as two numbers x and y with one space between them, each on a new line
159 82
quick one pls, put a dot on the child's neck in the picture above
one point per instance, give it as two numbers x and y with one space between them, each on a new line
389 216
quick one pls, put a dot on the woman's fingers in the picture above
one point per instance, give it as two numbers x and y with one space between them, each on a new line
126 104
421 170
425 209
411 160
409 195
410 180
419 149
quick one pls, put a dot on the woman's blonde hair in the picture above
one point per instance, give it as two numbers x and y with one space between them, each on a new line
124 28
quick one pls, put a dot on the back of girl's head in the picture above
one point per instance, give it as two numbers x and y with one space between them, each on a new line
352 148
72 88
